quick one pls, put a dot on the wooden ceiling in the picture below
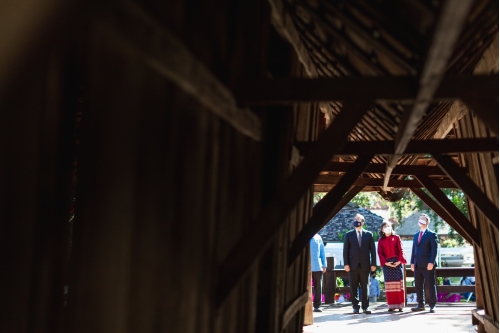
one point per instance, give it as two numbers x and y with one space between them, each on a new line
413 57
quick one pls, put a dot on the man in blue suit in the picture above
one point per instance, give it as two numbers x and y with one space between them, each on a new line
359 258
423 263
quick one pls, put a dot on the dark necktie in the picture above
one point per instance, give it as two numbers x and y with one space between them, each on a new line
420 236
359 238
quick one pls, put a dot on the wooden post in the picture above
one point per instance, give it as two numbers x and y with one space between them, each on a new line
329 281
308 316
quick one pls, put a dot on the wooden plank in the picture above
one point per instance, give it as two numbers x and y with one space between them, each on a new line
323 210
398 170
486 109
294 90
442 213
376 43
250 247
169 57
333 180
415 147
292 308
449 271
471 190
465 227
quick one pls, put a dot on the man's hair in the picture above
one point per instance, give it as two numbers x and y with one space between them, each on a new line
361 217
427 217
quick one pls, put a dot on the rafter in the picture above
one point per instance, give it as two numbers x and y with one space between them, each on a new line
334 180
399 170
332 202
471 190
415 147
450 23
251 246
464 226
282 91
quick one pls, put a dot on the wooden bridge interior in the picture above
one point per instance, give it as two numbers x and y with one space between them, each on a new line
159 158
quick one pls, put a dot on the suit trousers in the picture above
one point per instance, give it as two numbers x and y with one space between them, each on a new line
317 278
358 277
424 276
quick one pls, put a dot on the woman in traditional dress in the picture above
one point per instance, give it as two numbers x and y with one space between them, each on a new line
392 258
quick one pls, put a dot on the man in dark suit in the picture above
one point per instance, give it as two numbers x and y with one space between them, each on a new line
423 264
359 258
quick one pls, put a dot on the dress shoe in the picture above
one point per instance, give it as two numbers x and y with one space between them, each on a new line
366 311
419 307
317 310
355 311
400 310
432 309
391 310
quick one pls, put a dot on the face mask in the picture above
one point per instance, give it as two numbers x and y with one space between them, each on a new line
422 222
356 224
387 230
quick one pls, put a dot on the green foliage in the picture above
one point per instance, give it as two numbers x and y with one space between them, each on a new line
340 282
406 206
450 243
342 234
317 197
364 199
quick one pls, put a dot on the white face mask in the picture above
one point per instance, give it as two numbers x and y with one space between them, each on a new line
387 230
422 222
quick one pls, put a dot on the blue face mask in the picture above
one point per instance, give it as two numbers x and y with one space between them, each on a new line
356 224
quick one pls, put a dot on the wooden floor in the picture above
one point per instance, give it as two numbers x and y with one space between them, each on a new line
449 317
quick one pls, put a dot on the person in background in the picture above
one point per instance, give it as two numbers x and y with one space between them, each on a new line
359 258
468 281
374 288
392 258
423 263
318 267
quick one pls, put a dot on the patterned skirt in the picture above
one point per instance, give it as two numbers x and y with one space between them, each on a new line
394 288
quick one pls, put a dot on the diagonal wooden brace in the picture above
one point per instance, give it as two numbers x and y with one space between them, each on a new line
463 226
438 209
471 190
329 206
253 243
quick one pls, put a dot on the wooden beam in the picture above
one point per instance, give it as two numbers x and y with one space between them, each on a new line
164 53
279 91
330 204
465 227
251 246
290 311
333 180
284 25
450 22
398 170
449 25
442 213
415 147
470 189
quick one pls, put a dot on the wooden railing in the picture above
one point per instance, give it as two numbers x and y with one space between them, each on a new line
330 278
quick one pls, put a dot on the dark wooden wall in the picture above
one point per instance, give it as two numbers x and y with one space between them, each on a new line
165 186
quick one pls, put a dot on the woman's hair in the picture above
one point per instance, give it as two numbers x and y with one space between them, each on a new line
382 226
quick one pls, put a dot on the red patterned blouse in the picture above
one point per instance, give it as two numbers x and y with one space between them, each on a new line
389 247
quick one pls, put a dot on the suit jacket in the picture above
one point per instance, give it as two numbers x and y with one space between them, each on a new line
355 255
425 252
